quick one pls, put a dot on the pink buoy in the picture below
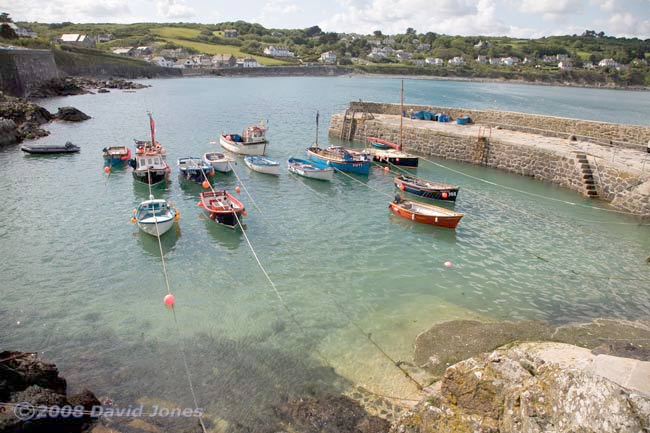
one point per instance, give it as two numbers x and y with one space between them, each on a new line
237 189
447 264
169 299
386 169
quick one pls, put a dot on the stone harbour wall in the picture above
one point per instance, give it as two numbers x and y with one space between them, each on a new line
22 70
627 191
634 136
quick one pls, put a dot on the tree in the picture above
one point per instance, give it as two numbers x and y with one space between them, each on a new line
410 31
377 33
313 31
4 18
7 32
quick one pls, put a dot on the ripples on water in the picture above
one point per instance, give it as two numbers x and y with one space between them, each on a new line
87 287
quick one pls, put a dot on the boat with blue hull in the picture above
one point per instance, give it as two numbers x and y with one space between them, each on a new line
426 188
310 169
116 155
341 159
194 169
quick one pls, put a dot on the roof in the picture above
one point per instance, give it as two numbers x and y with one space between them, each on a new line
72 37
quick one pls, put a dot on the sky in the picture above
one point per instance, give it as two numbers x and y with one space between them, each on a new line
523 18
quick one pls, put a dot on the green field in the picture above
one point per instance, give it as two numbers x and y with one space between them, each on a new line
175 32
224 49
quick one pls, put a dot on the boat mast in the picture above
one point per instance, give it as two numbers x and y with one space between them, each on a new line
316 128
401 113
153 134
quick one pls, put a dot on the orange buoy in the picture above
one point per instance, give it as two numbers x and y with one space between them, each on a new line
206 184
133 220
211 173
445 195
448 264
169 300
402 187
244 212
237 189
386 169
200 204
107 169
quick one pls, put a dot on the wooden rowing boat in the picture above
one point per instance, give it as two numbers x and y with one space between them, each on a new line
425 213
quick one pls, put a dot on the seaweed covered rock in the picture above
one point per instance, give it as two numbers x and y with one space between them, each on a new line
71 114
8 132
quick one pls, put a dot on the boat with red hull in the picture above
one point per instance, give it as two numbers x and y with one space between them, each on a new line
222 207
425 213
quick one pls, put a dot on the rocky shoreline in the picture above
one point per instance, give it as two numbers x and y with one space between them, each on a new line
69 86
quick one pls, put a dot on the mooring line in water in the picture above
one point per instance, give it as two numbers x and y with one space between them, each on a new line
559 225
295 320
526 192
169 292
364 184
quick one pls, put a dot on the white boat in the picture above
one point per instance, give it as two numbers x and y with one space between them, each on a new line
263 165
219 161
251 142
310 169
156 216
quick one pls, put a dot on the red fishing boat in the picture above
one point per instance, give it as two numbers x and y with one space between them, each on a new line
425 213
222 207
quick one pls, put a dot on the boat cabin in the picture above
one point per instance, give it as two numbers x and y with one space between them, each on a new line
254 134
150 162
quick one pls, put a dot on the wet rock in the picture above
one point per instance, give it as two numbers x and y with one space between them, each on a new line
31 131
8 132
58 87
496 392
85 398
103 90
71 114
330 414
24 369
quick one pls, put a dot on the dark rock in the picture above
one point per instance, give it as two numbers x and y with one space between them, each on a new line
8 132
624 349
58 87
85 398
103 90
30 131
32 371
330 414
71 114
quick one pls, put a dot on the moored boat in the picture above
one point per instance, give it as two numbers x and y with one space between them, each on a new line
341 159
425 213
393 156
379 143
149 164
195 169
426 188
219 161
262 165
310 169
52 148
222 207
116 155
155 216
251 142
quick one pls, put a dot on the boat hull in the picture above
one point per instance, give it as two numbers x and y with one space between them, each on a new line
443 192
447 221
229 213
242 148
301 168
195 169
45 150
221 165
164 224
273 169
358 167
117 155
379 143
153 177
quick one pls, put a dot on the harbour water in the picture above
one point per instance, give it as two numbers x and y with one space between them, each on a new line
84 288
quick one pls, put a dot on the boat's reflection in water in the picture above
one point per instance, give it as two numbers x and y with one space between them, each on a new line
167 241
141 190
230 238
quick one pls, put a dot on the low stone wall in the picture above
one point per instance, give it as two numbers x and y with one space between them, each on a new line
22 70
272 71
626 191
585 130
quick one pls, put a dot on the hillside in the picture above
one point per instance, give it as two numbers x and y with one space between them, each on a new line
571 59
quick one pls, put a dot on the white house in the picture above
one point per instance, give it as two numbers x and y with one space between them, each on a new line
434 61
423 47
494 61
481 59
328 57
403 55
456 61
77 39
509 61
202 61
224 60
247 62
143 51
374 42
588 65
379 55
607 63
162 62
566 65
184 64
124 51
277 51
22 32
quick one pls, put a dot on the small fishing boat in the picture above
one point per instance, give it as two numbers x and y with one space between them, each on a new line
116 155
195 169
379 143
310 169
52 148
340 158
426 188
222 207
155 216
425 213
262 165
219 161
251 142
150 167
393 156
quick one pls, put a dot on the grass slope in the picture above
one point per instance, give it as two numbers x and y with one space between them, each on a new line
224 49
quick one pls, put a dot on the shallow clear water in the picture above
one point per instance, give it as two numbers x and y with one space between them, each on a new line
82 285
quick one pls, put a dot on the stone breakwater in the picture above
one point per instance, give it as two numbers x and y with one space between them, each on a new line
619 175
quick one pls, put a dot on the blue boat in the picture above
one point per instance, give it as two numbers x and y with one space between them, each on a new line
341 159
194 169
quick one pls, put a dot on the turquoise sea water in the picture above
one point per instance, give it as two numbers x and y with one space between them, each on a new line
83 286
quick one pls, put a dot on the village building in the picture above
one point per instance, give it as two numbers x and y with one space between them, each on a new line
435 61
566 65
175 53
418 62
328 58
247 62
277 51
230 33
456 61
162 62
76 39
224 61
124 51
143 51
605 63
104 37
22 32
403 56
481 59
202 61
423 47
